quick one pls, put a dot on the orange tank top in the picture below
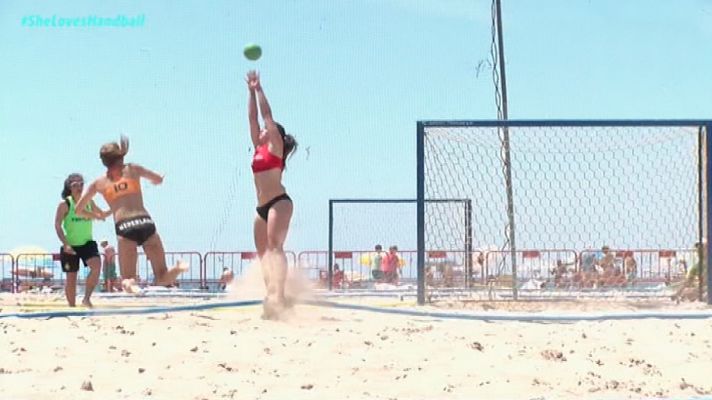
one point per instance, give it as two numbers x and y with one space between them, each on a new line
121 188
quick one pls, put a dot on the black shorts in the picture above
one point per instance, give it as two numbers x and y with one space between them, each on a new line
263 210
137 229
85 252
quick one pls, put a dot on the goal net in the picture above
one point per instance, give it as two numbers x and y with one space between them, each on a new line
550 196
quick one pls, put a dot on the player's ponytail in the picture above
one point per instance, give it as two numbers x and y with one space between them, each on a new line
124 145
290 143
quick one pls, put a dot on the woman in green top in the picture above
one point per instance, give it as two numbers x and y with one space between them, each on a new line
688 288
75 233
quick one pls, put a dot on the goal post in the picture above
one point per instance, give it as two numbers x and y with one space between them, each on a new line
567 184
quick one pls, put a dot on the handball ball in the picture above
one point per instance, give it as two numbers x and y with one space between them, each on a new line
252 52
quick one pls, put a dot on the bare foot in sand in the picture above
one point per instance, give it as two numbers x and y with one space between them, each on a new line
288 302
87 303
130 286
169 278
271 309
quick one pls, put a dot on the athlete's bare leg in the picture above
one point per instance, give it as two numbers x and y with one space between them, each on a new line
277 227
157 256
260 236
128 257
92 280
70 288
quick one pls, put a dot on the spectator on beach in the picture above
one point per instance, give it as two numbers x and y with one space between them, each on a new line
446 270
630 266
109 266
681 268
587 275
606 265
561 270
696 275
479 267
337 280
376 263
226 278
391 264
73 226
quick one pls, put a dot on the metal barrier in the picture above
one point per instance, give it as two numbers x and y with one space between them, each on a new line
355 266
450 268
447 268
548 265
358 269
192 279
408 263
40 270
355 273
636 266
37 271
215 262
557 268
314 263
7 273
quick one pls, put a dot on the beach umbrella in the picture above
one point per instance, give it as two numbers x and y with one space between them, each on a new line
365 260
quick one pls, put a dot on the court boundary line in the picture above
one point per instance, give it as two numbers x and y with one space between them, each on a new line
129 311
456 315
521 317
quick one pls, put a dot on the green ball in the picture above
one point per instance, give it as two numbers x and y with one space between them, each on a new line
252 52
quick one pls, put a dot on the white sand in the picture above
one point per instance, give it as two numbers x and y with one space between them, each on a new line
319 353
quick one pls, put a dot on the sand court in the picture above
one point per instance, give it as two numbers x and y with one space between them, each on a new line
326 352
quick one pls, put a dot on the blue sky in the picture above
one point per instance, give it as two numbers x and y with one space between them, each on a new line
348 78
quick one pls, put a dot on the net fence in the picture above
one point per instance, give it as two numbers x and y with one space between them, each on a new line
626 199
358 226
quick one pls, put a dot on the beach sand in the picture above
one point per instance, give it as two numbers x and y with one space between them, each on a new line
320 352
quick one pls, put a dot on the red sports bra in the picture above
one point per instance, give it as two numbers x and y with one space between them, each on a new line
263 160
